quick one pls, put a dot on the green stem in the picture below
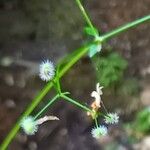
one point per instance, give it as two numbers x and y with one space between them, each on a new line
85 15
55 85
76 103
79 54
57 80
58 85
96 123
124 28
31 107
106 111
49 103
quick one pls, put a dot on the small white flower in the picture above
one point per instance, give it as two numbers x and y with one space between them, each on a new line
99 131
47 70
97 94
111 118
29 125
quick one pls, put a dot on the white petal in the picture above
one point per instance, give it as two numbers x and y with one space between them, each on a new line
46 118
97 86
97 98
99 89
94 94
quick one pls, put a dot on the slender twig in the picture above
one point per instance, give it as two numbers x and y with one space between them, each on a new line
85 15
125 27
106 111
85 108
96 122
49 104
58 80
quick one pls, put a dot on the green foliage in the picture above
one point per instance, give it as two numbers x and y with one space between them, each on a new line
91 31
110 68
95 48
129 87
142 121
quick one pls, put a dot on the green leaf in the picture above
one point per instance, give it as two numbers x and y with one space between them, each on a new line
110 68
91 31
94 49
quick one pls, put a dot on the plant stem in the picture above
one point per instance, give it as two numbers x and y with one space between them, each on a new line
85 15
96 123
57 80
106 111
124 28
49 103
76 103
58 85
79 54
31 107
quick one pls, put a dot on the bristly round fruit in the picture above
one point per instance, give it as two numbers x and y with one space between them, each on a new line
29 125
47 70
111 118
97 132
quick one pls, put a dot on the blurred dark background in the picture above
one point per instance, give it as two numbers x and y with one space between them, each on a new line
34 30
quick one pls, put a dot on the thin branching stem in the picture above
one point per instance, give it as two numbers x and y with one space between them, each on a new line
54 99
125 27
78 104
85 15
96 122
